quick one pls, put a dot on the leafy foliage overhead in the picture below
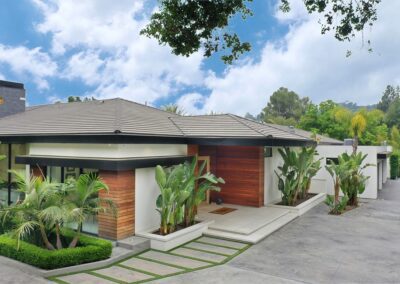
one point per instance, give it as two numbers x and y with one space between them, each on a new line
189 25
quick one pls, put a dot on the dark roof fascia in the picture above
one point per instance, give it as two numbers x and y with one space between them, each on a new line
269 142
132 139
102 164
10 84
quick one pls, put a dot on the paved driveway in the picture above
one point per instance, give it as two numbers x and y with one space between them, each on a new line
362 246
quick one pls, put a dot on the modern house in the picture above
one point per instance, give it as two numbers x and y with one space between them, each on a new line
123 141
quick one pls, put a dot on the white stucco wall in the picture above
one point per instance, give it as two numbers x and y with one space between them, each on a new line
106 150
146 216
271 192
323 182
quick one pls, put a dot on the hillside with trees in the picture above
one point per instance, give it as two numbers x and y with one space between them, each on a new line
380 122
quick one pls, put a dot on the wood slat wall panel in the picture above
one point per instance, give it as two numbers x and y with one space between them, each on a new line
122 191
242 168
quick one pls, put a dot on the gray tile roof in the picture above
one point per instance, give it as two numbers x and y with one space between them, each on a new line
229 125
324 140
126 117
94 117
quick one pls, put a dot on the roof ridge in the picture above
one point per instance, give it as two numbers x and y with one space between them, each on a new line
273 126
235 117
151 107
176 125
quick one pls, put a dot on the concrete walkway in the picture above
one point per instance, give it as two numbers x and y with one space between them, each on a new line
361 246
150 265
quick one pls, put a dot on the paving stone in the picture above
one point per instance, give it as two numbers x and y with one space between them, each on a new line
221 242
123 274
211 248
174 260
84 278
150 266
200 255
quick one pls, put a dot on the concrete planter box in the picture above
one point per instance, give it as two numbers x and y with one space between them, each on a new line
168 242
305 206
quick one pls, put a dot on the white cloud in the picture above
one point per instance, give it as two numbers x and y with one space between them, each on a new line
108 52
313 65
33 63
191 103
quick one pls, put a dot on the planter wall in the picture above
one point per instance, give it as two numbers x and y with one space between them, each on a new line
305 206
168 242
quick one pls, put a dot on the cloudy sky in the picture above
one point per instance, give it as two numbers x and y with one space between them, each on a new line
93 48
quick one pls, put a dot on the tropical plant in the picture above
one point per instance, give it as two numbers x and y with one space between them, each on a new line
204 181
354 183
336 207
358 126
173 108
46 207
298 168
83 200
339 172
40 208
173 194
182 189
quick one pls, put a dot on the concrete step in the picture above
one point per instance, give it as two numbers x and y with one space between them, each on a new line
256 236
134 243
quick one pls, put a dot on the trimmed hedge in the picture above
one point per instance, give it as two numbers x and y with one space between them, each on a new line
394 166
89 249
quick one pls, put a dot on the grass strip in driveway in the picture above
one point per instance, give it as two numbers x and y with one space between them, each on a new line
201 253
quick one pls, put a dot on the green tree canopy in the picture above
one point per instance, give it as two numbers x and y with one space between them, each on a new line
392 117
190 25
390 95
285 107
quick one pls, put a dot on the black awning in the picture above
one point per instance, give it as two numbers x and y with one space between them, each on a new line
384 155
112 164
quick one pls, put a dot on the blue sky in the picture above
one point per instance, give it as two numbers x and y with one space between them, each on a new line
92 48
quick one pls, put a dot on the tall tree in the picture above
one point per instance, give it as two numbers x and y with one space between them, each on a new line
395 138
390 95
285 107
392 116
188 26
358 126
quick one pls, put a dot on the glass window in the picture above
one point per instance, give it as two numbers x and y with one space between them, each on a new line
4 174
267 152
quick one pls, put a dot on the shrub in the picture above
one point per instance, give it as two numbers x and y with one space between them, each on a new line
394 166
89 249
336 208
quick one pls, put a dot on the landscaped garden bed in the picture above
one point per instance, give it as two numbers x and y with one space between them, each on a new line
89 249
295 175
182 188
35 229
